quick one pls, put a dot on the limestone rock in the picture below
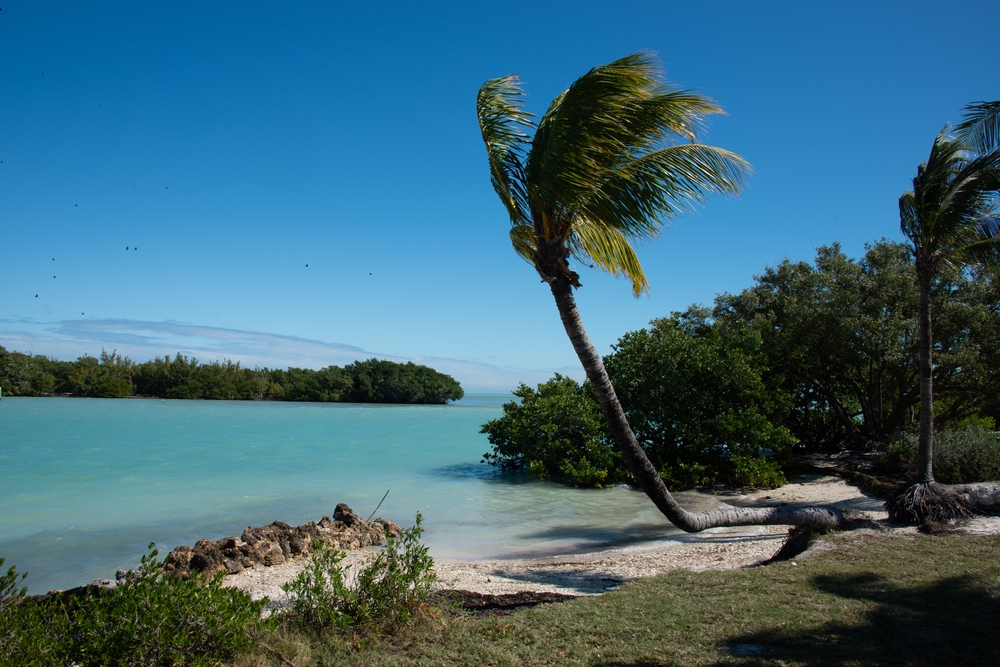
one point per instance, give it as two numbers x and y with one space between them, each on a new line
278 542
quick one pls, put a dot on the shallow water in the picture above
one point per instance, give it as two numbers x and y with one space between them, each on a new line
86 484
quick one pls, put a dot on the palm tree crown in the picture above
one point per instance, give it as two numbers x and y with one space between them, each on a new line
611 158
951 215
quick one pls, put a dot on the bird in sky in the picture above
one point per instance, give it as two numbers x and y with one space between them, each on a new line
307 266
36 296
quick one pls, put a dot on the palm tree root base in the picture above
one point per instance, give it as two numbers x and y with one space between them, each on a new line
920 502
799 539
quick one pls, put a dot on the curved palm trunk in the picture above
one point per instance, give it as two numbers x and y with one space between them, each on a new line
925 452
640 466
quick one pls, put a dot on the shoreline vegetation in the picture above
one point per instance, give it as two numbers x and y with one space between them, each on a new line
705 599
112 375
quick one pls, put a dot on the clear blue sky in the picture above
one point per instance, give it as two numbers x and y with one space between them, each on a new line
234 143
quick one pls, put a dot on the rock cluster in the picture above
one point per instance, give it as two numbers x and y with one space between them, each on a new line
277 543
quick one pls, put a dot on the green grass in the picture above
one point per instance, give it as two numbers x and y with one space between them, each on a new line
873 600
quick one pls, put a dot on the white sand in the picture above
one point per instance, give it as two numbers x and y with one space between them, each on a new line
595 573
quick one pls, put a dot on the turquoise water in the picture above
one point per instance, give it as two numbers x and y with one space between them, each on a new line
86 484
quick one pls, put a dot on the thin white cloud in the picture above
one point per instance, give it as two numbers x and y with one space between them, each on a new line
142 340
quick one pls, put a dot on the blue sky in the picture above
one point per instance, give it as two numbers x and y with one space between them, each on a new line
234 143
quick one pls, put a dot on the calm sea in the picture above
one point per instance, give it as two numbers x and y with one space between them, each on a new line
86 484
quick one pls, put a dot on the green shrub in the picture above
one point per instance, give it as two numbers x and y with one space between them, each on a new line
556 432
8 585
147 619
388 590
25 632
756 471
961 455
696 398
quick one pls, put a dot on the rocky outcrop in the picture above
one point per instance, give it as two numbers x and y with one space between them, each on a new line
277 543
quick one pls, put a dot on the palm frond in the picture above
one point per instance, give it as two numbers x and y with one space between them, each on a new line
980 128
664 183
501 118
606 119
522 237
950 216
610 251
909 219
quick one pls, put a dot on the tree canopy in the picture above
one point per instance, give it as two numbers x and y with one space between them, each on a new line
114 376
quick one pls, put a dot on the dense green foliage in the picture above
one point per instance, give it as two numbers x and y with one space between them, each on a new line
387 591
114 376
557 432
695 398
811 357
840 336
147 619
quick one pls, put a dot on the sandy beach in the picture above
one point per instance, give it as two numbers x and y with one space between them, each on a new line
599 572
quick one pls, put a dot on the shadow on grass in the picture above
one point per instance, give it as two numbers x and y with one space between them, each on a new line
951 621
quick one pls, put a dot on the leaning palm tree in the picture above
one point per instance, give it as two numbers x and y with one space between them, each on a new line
952 219
612 158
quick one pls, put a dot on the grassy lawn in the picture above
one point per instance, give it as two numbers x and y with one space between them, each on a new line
872 600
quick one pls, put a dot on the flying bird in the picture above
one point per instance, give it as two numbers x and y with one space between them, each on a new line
307 266
36 296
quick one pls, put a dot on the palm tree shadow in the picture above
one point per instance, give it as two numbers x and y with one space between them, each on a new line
951 621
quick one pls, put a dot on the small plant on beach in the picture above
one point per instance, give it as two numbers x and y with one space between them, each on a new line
385 595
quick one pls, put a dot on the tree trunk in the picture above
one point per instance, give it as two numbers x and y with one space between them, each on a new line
925 452
640 466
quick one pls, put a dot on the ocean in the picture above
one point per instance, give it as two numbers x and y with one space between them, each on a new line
87 484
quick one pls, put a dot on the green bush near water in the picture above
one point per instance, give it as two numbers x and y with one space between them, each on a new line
387 593
556 432
147 619
694 395
150 619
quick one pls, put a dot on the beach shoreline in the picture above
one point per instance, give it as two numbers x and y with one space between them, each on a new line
597 572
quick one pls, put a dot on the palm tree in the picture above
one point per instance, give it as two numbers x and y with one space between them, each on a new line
611 159
952 219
